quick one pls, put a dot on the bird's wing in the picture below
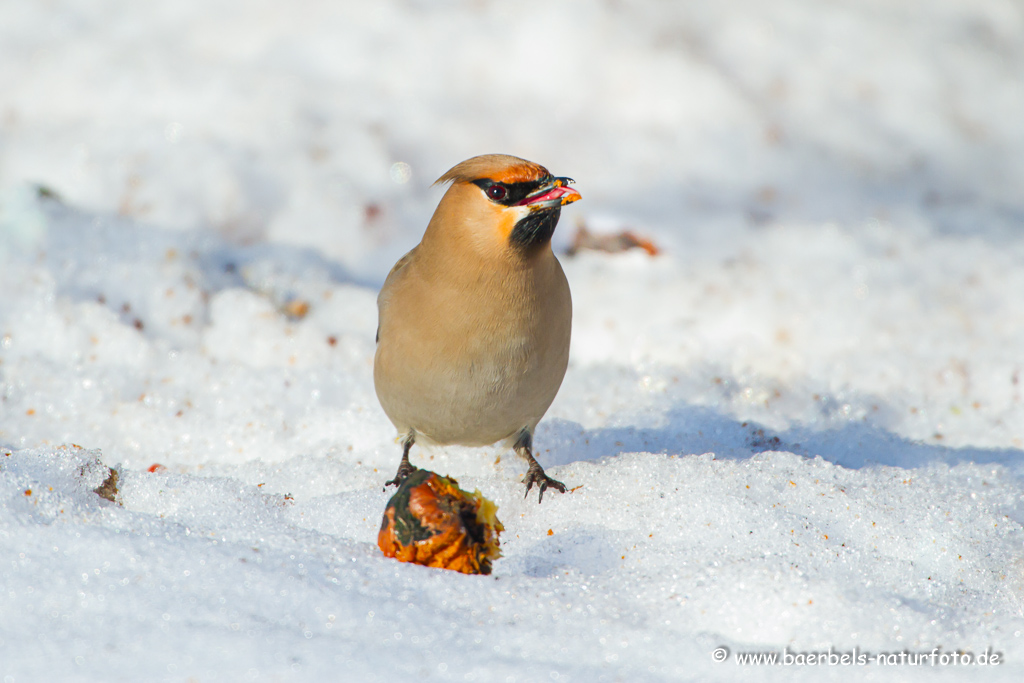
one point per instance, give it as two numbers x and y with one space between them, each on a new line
382 298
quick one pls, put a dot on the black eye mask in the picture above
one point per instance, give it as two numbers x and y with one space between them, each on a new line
514 192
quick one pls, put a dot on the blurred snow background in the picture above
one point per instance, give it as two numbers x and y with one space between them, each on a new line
800 426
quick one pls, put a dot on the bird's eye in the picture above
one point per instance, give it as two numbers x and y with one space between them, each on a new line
497 192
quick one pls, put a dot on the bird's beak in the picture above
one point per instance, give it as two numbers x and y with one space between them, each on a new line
554 193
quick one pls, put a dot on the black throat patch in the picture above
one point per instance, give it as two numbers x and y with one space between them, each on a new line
535 229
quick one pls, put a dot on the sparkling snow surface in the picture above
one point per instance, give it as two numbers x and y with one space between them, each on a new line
800 427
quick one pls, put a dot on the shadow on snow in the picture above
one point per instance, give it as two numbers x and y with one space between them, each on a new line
698 429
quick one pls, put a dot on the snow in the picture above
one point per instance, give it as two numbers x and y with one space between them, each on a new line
801 426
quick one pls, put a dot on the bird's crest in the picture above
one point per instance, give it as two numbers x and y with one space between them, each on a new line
501 168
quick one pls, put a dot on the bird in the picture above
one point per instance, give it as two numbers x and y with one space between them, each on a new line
474 322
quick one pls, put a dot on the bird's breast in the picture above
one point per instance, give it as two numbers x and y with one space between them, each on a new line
473 362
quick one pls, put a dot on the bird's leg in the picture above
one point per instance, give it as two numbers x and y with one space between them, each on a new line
405 468
535 475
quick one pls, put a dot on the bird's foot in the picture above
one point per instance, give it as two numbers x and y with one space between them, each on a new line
536 475
404 470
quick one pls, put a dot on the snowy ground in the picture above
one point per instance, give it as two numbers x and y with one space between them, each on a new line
800 427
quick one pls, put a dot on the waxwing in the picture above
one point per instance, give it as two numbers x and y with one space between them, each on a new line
474 322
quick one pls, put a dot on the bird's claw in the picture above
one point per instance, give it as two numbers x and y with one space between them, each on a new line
404 470
536 475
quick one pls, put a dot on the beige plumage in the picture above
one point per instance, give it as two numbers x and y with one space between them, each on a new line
474 322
